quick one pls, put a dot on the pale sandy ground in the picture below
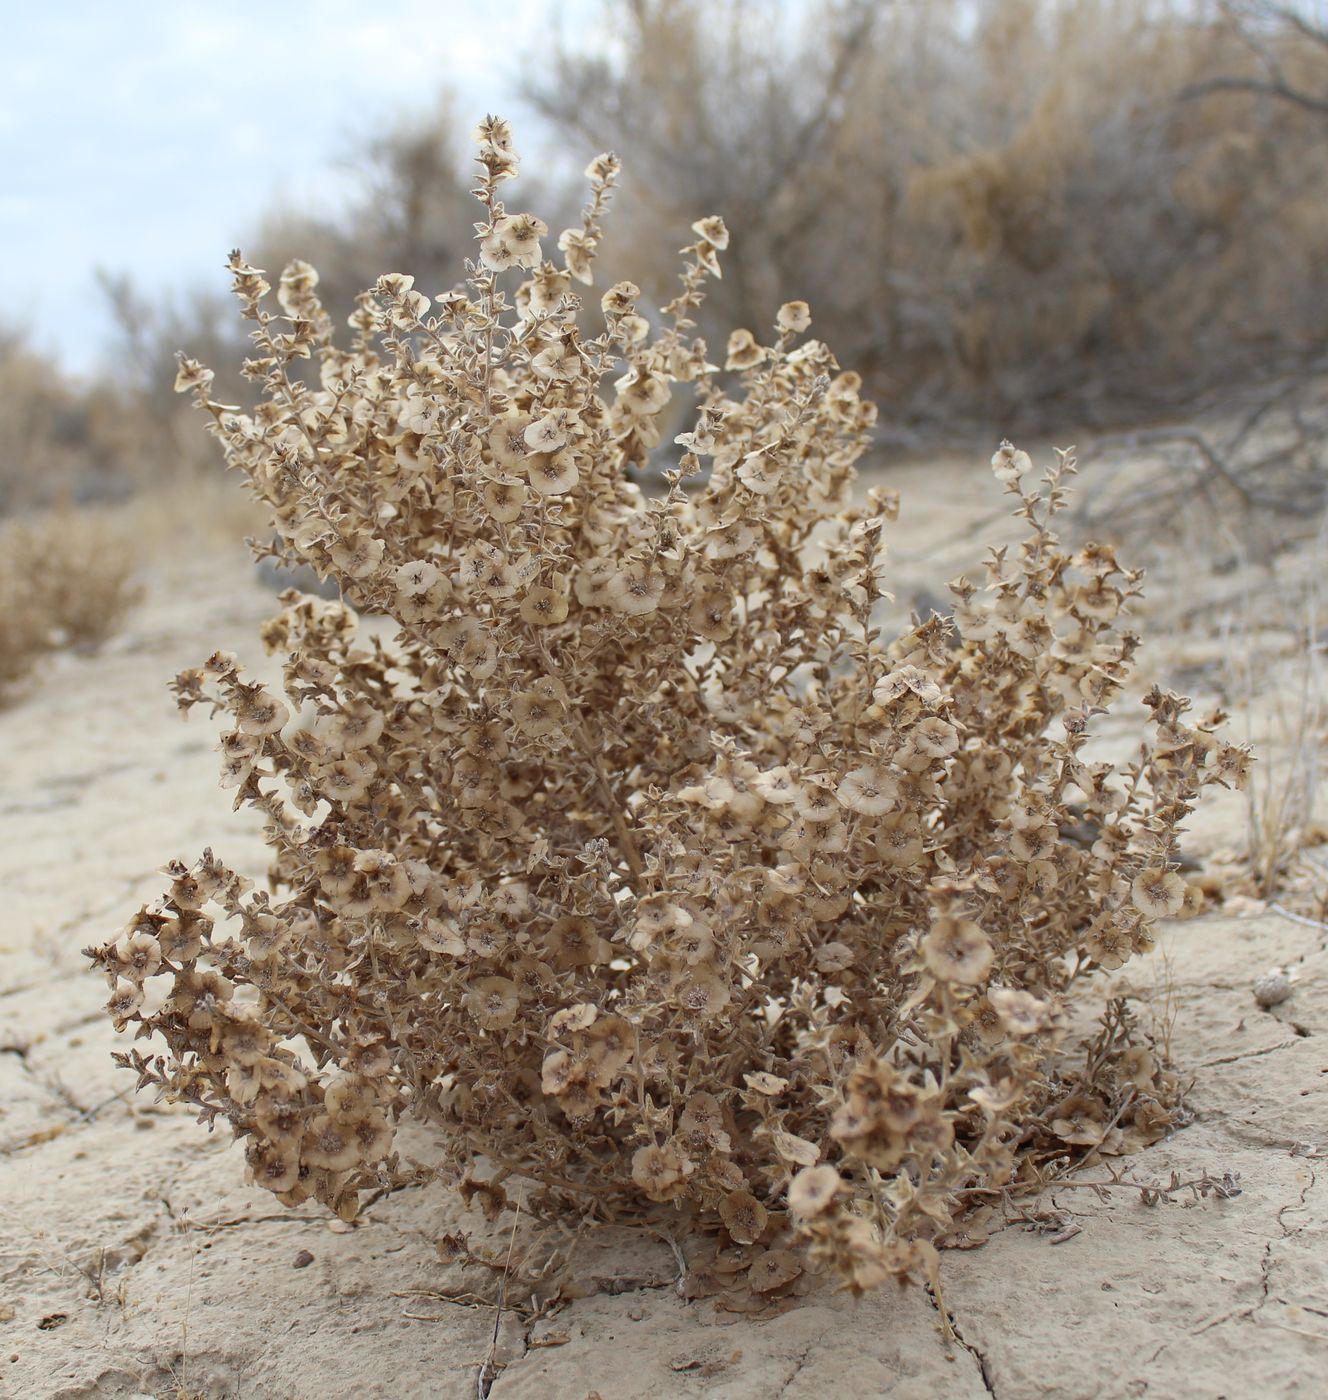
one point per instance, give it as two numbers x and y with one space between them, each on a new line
135 1262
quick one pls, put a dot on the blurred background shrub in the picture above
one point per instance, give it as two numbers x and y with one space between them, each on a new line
1009 215
66 580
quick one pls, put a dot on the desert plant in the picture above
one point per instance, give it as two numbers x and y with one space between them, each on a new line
634 858
1283 795
408 209
66 580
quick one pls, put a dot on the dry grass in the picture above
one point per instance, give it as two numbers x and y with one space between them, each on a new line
66 580
1288 690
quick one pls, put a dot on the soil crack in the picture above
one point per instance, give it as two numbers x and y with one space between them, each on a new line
798 1364
1247 1054
978 1355
1288 1232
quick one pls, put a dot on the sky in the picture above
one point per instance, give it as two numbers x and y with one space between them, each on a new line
148 136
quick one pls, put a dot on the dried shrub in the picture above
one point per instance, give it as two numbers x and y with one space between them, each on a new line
66 580
633 857
60 438
1007 211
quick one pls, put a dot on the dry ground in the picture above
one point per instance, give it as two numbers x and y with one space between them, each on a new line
136 1262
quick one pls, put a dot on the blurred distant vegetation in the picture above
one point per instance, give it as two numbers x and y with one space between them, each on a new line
1017 214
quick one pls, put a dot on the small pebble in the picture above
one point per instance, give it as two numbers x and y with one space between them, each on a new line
1272 990
302 1260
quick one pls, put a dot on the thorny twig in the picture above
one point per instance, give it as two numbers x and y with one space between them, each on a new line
1200 1187
1223 1188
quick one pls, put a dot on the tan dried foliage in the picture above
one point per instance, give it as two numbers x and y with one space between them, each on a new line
66 580
637 860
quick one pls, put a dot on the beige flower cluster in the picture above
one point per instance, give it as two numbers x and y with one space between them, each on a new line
635 857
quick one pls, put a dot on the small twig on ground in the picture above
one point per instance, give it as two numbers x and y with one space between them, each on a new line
489 1369
1297 918
88 1114
460 1299
1095 1152
679 1257
1223 1187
